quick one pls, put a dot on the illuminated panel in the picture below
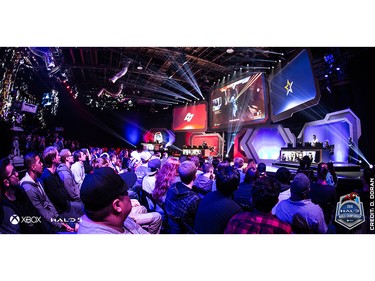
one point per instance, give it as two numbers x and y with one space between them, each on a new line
238 150
336 127
190 118
214 141
293 88
267 142
159 135
264 144
239 104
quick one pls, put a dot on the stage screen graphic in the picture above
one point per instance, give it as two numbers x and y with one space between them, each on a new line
190 118
293 88
243 102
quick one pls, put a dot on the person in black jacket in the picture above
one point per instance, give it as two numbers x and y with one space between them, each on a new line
25 215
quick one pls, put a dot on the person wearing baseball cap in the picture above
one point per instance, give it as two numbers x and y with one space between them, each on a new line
142 170
107 205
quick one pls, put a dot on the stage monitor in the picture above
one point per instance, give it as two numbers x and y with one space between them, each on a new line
239 104
192 118
294 87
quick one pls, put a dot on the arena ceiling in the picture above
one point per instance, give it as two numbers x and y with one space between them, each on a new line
153 77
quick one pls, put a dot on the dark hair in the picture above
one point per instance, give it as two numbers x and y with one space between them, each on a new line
3 164
215 162
77 154
283 175
30 160
227 180
227 159
206 167
99 162
251 176
261 168
265 194
183 158
322 170
195 159
305 162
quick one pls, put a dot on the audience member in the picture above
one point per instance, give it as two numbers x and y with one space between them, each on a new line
54 187
99 163
197 163
251 164
167 176
142 169
203 182
283 178
86 164
148 183
181 201
242 196
34 189
238 164
216 208
221 166
164 157
323 194
16 199
113 162
262 169
305 167
77 167
303 215
107 205
150 221
66 175
331 178
264 196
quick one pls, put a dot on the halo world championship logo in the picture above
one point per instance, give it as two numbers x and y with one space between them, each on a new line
349 211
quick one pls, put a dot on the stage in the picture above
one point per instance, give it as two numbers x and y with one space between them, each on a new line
349 175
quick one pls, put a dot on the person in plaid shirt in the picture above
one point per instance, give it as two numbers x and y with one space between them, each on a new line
265 195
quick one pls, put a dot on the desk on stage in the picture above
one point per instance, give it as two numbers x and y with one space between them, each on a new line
153 146
197 151
294 154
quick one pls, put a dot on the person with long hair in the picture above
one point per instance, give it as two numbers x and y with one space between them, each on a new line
167 175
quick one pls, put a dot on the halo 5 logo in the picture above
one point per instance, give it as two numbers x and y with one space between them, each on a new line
66 220
349 211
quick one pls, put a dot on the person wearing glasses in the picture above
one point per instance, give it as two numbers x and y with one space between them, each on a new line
16 207
66 175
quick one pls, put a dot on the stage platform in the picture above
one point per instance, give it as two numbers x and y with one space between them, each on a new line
339 167
349 175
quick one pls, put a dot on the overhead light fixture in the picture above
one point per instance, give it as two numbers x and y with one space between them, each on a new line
140 67
121 73
230 51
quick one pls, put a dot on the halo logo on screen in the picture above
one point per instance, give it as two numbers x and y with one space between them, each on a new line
188 117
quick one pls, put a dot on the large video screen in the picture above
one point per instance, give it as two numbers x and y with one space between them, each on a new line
293 88
190 118
240 103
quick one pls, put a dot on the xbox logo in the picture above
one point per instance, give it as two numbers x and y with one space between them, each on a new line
14 219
